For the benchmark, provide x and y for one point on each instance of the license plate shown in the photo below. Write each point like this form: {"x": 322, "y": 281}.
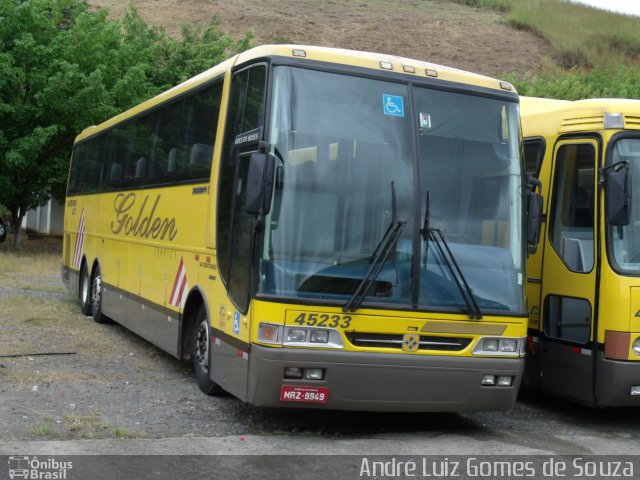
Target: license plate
{"x": 298, "y": 393}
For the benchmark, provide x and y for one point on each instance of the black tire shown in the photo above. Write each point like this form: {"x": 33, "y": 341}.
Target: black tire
{"x": 96, "y": 298}
{"x": 85, "y": 291}
{"x": 201, "y": 355}
{"x": 3, "y": 231}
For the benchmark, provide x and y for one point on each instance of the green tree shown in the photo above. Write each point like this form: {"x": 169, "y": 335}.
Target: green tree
{"x": 63, "y": 68}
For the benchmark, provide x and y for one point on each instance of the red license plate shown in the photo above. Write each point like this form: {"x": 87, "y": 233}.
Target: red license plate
{"x": 297, "y": 393}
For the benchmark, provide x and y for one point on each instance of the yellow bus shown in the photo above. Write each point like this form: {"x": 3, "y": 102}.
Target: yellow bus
{"x": 313, "y": 227}
{"x": 583, "y": 284}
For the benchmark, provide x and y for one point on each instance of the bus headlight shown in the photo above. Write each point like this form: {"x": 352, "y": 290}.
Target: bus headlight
{"x": 636, "y": 347}
{"x": 319, "y": 336}
{"x": 508, "y": 347}
{"x": 296, "y": 335}
{"x": 312, "y": 337}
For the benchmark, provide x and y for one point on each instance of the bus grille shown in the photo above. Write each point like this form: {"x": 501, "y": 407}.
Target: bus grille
{"x": 386, "y": 340}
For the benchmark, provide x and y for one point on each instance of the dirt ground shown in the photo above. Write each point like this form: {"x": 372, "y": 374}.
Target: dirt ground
{"x": 64, "y": 377}
{"x": 437, "y": 31}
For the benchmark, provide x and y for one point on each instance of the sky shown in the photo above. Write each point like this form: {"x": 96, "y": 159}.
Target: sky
{"x": 630, "y": 7}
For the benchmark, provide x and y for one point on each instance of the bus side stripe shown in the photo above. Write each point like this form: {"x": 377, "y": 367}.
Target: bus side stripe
{"x": 77, "y": 257}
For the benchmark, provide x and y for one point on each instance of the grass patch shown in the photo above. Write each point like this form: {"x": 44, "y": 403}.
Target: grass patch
{"x": 86, "y": 426}
{"x": 124, "y": 433}
{"x": 40, "y": 430}
{"x": 576, "y": 84}
{"x": 580, "y": 35}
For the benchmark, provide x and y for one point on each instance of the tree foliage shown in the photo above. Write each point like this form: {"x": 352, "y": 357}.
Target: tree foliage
{"x": 64, "y": 67}
{"x": 577, "y": 83}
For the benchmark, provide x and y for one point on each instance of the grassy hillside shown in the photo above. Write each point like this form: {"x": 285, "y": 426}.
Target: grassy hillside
{"x": 546, "y": 47}
{"x": 438, "y": 31}
{"x": 580, "y": 35}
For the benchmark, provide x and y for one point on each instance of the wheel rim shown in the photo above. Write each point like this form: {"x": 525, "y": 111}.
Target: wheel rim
{"x": 85, "y": 287}
{"x": 96, "y": 293}
{"x": 202, "y": 346}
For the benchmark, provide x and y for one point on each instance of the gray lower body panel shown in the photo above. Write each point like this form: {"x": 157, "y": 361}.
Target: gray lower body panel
{"x": 162, "y": 328}
{"x": 71, "y": 280}
{"x": 615, "y": 379}
{"x": 385, "y": 382}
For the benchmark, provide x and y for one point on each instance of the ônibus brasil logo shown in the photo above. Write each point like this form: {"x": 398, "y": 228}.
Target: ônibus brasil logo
{"x": 33, "y": 468}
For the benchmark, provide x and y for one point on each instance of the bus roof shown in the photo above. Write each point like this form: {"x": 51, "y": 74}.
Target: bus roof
{"x": 544, "y": 116}
{"x": 374, "y": 61}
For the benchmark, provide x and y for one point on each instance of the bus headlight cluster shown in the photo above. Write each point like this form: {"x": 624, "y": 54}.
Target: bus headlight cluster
{"x": 299, "y": 336}
{"x": 312, "y": 337}
{"x": 502, "y": 346}
{"x": 636, "y": 347}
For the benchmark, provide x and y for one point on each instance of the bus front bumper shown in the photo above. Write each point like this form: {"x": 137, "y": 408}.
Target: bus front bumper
{"x": 384, "y": 382}
{"x": 615, "y": 380}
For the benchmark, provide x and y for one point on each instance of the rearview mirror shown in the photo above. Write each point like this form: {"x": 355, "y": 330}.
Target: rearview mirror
{"x": 259, "y": 183}
{"x": 618, "y": 198}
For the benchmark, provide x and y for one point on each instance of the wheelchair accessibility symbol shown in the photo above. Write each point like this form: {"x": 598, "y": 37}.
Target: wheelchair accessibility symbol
{"x": 393, "y": 105}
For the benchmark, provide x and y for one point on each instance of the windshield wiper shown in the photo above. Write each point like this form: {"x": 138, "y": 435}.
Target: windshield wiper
{"x": 437, "y": 237}
{"x": 379, "y": 256}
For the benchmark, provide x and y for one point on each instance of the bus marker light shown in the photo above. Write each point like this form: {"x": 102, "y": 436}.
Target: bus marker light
{"x": 504, "y": 381}
{"x": 292, "y": 372}
{"x": 268, "y": 333}
{"x": 635, "y": 390}
{"x": 314, "y": 373}
{"x": 386, "y": 65}
{"x": 430, "y": 72}
{"x": 506, "y": 86}
{"x": 299, "y": 52}
{"x": 408, "y": 69}
{"x": 613, "y": 120}
{"x": 488, "y": 380}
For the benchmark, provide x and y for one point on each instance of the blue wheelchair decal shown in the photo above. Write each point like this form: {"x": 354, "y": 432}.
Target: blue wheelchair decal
{"x": 393, "y": 105}
{"x": 236, "y": 323}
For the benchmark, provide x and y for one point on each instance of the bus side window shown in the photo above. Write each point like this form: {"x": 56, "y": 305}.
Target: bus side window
{"x": 571, "y": 228}
{"x": 534, "y": 149}
{"x": 567, "y": 318}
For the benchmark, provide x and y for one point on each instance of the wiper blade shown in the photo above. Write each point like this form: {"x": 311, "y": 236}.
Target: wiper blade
{"x": 437, "y": 237}
{"x": 380, "y": 254}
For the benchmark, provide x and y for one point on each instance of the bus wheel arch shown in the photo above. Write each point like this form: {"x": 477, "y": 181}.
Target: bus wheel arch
{"x": 196, "y": 341}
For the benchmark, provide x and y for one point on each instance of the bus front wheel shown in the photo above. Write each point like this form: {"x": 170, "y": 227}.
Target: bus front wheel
{"x": 201, "y": 355}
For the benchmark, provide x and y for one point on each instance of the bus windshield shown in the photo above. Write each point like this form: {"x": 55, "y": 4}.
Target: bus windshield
{"x": 625, "y": 241}
{"x": 356, "y": 155}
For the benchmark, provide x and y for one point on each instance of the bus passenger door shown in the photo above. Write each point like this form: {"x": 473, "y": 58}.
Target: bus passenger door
{"x": 244, "y": 130}
{"x": 569, "y": 272}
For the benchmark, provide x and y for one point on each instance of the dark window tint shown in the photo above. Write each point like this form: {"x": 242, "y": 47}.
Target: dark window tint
{"x": 567, "y": 318}
{"x": 246, "y": 113}
{"x": 533, "y": 155}
{"x": 171, "y": 144}
{"x": 571, "y": 228}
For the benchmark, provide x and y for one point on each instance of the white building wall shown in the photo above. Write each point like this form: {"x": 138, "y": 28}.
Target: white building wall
{"x": 46, "y": 220}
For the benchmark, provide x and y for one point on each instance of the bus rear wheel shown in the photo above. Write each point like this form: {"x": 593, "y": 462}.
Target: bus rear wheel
{"x": 85, "y": 291}
{"x": 201, "y": 355}
{"x": 96, "y": 298}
